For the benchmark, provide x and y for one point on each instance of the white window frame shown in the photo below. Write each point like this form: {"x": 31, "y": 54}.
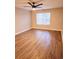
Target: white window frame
{"x": 43, "y": 22}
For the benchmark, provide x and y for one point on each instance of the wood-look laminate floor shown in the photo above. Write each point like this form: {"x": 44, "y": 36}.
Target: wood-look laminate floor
{"x": 39, "y": 44}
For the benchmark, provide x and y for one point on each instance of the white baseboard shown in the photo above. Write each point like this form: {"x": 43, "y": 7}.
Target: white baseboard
{"x": 48, "y": 29}
{"x": 57, "y": 29}
{"x": 22, "y": 31}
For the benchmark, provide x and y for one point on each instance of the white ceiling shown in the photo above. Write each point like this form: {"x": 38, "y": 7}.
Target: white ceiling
{"x": 47, "y": 4}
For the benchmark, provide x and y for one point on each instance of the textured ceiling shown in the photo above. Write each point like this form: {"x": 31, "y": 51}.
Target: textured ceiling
{"x": 47, "y": 4}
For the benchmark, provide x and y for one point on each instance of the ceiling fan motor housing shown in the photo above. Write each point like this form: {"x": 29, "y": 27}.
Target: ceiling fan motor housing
{"x": 34, "y": 6}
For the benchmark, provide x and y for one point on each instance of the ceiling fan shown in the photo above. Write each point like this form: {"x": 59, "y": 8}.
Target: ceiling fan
{"x": 34, "y": 4}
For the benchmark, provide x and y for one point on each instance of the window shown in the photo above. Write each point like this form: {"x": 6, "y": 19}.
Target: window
{"x": 43, "y": 18}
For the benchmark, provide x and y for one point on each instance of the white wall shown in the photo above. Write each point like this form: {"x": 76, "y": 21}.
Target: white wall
{"x": 25, "y": 20}
{"x": 56, "y": 19}
{"x": 22, "y": 20}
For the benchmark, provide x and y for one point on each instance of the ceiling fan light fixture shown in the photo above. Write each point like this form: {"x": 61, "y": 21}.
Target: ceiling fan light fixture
{"x": 33, "y": 9}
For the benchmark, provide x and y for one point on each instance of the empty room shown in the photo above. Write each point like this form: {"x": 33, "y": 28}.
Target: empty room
{"x": 38, "y": 29}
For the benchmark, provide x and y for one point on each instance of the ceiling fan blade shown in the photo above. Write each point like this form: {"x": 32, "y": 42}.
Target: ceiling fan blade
{"x": 39, "y": 5}
{"x": 30, "y": 3}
